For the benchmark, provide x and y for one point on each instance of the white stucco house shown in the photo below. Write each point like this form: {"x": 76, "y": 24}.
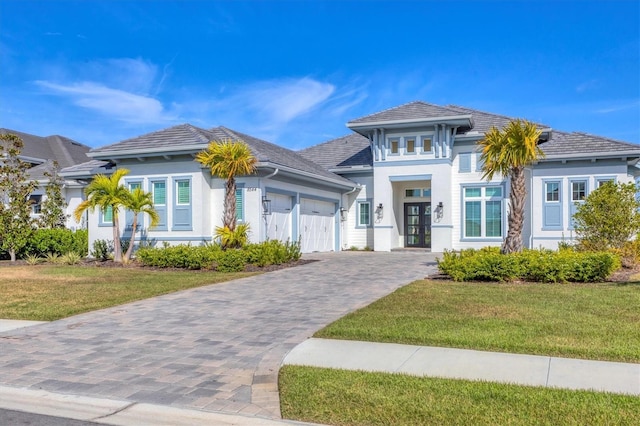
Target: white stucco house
{"x": 406, "y": 177}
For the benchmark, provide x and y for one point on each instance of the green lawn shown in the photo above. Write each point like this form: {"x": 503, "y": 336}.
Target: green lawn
{"x": 339, "y": 397}
{"x": 50, "y": 292}
{"x": 591, "y": 321}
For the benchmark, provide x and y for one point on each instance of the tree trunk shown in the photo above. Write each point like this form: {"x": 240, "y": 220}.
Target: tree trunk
{"x": 513, "y": 242}
{"x": 229, "y": 220}
{"x": 117, "y": 248}
{"x": 12, "y": 255}
{"x": 134, "y": 225}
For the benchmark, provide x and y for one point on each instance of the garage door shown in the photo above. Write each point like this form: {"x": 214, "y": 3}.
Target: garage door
{"x": 279, "y": 221}
{"x": 317, "y": 225}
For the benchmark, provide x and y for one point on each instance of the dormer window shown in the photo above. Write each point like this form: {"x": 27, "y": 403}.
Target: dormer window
{"x": 426, "y": 144}
{"x": 394, "y": 144}
{"x": 411, "y": 145}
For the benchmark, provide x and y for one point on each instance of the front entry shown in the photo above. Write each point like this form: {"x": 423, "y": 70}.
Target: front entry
{"x": 417, "y": 225}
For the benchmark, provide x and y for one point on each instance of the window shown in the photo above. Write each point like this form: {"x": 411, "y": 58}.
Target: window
{"x": 159, "y": 196}
{"x": 602, "y": 181}
{"x": 426, "y": 144}
{"x": 182, "y": 206}
{"x": 578, "y": 191}
{"x": 409, "y": 193}
{"x": 364, "y": 213}
{"x": 552, "y": 191}
{"x": 135, "y": 185}
{"x": 128, "y": 216}
{"x": 239, "y": 205}
{"x": 482, "y": 212}
{"x": 411, "y": 145}
{"x": 551, "y": 205}
{"x": 465, "y": 162}
{"x": 578, "y": 194}
{"x": 479, "y": 162}
{"x": 36, "y": 206}
{"x": 105, "y": 217}
{"x": 393, "y": 143}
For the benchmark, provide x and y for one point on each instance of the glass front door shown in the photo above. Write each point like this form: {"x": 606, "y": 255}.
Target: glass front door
{"x": 417, "y": 225}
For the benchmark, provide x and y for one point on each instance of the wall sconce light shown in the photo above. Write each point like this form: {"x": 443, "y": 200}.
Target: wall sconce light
{"x": 439, "y": 211}
{"x": 378, "y": 212}
{"x": 379, "y": 207}
{"x": 440, "y": 206}
{"x": 266, "y": 206}
{"x": 343, "y": 214}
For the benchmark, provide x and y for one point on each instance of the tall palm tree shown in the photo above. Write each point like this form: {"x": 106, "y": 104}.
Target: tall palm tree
{"x": 508, "y": 152}
{"x": 140, "y": 202}
{"x": 228, "y": 159}
{"x": 106, "y": 192}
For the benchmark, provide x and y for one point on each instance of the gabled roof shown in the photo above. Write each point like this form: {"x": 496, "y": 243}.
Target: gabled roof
{"x": 352, "y": 150}
{"x": 410, "y": 111}
{"x": 186, "y": 138}
{"x": 39, "y": 149}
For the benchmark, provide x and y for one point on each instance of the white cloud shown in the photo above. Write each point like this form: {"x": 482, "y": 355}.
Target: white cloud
{"x": 115, "y": 103}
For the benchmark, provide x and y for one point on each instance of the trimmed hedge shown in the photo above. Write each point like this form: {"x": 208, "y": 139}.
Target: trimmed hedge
{"x": 488, "y": 264}
{"x": 58, "y": 241}
{"x": 211, "y": 256}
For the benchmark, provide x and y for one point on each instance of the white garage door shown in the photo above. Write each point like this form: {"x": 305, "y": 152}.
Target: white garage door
{"x": 279, "y": 221}
{"x": 317, "y": 225}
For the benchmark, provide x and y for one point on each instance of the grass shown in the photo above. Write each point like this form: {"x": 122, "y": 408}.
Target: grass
{"x": 341, "y": 397}
{"x": 590, "y": 321}
{"x": 50, "y": 292}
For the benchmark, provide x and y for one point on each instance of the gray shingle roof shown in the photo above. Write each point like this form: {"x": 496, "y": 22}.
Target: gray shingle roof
{"x": 347, "y": 151}
{"x": 409, "y": 111}
{"x": 196, "y": 139}
{"x": 563, "y": 143}
{"x": 86, "y": 169}
{"x": 65, "y": 151}
{"x": 172, "y": 137}
{"x": 483, "y": 121}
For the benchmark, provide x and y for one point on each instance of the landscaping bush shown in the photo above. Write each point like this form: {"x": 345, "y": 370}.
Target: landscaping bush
{"x": 59, "y": 241}
{"x": 180, "y": 256}
{"x": 231, "y": 260}
{"x": 272, "y": 252}
{"x": 102, "y": 249}
{"x": 532, "y": 265}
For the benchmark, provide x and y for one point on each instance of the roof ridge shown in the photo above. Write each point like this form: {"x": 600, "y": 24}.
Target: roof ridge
{"x": 389, "y": 109}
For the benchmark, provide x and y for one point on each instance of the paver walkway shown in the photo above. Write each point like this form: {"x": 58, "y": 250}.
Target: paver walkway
{"x": 214, "y": 348}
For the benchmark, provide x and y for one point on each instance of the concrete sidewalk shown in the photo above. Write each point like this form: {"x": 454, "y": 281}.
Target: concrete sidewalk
{"x": 529, "y": 370}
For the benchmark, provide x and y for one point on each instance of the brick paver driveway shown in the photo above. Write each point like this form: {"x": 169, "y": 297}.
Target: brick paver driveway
{"x": 215, "y": 348}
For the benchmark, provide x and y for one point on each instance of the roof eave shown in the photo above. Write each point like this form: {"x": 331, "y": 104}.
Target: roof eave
{"x": 305, "y": 175}
{"x": 460, "y": 120}
{"x": 145, "y": 152}
{"x": 623, "y": 155}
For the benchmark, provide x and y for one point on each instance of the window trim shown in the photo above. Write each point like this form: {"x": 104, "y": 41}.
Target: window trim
{"x": 161, "y": 209}
{"x": 555, "y": 204}
{"x": 359, "y": 203}
{"x": 602, "y": 179}
{"x": 422, "y": 139}
{"x": 483, "y": 199}
{"x": 573, "y": 204}
{"x": 176, "y": 207}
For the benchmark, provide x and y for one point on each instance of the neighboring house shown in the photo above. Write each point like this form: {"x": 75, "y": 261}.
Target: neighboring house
{"x": 41, "y": 153}
{"x": 407, "y": 177}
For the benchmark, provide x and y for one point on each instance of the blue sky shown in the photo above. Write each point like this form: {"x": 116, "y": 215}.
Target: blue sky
{"x": 294, "y": 72}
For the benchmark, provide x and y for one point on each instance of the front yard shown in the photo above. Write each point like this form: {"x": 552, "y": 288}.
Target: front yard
{"x": 51, "y": 292}
{"x": 590, "y": 321}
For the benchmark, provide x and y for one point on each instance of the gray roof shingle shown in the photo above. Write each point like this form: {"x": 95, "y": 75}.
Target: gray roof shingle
{"x": 196, "y": 139}
{"x": 65, "y": 151}
{"x": 347, "y": 151}
{"x": 483, "y": 121}
{"x": 408, "y": 111}
{"x": 563, "y": 143}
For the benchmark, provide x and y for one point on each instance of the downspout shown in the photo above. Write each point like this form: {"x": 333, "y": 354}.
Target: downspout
{"x": 342, "y": 223}
{"x": 270, "y": 175}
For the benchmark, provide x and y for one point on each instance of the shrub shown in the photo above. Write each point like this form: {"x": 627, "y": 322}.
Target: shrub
{"x": 532, "y": 265}
{"x": 629, "y": 253}
{"x": 272, "y": 252}
{"x": 52, "y": 258}
{"x": 180, "y": 256}
{"x": 59, "y": 241}
{"x": 32, "y": 259}
{"x": 102, "y": 249}
{"x": 609, "y": 217}
{"x": 232, "y": 260}
{"x": 71, "y": 258}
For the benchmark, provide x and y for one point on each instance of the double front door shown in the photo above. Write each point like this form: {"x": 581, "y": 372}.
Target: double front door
{"x": 417, "y": 225}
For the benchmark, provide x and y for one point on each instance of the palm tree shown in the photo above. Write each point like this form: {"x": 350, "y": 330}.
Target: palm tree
{"x": 106, "y": 192}
{"x": 140, "y": 202}
{"x": 508, "y": 152}
{"x": 228, "y": 159}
